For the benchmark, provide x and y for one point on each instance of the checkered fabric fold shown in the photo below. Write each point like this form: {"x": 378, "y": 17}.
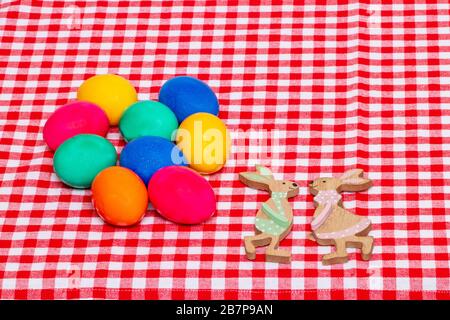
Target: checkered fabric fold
{"x": 309, "y": 89}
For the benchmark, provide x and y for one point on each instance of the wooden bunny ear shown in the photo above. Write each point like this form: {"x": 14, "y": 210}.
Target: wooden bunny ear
{"x": 255, "y": 180}
{"x": 353, "y": 173}
{"x": 352, "y": 180}
{"x": 264, "y": 171}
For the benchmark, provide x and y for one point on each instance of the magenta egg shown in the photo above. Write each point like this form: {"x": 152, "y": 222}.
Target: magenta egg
{"x": 181, "y": 195}
{"x": 74, "y": 118}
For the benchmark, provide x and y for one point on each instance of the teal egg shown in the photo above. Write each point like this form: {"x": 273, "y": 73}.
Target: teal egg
{"x": 148, "y": 118}
{"x": 79, "y": 159}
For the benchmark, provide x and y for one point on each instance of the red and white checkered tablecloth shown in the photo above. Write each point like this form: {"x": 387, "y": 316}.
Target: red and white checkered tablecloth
{"x": 335, "y": 86}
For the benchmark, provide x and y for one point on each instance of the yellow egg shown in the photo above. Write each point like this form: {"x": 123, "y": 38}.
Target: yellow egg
{"x": 205, "y": 142}
{"x": 113, "y": 93}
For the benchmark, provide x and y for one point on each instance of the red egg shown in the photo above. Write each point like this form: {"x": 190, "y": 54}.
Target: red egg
{"x": 72, "y": 119}
{"x": 181, "y": 195}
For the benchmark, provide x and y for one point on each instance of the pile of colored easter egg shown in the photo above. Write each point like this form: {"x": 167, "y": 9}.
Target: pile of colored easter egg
{"x": 170, "y": 143}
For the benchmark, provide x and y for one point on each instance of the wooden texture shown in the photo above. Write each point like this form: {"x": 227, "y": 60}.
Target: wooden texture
{"x": 332, "y": 224}
{"x": 268, "y": 230}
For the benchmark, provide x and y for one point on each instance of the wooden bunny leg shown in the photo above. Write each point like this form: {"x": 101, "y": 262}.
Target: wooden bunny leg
{"x": 339, "y": 256}
{"x": 252, "y": 242}
{"x": 273, "y": 254}
{"x": 364, "y": 243}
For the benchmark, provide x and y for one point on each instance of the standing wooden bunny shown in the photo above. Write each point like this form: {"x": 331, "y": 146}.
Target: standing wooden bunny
{"x": 332, "y": 224}
{"x": 274, "y": 219}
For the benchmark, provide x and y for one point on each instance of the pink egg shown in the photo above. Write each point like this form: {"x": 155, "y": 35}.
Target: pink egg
{"x": 181, "y": 195}
{"x": 72, "y": 119}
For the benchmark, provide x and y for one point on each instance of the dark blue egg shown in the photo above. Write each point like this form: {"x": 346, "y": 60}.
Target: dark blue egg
{"x": 186, "y": 95}
{"x": 146, "y": 155}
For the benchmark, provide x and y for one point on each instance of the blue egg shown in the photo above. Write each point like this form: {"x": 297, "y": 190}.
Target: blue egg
{"x": 186, "y": 95}
{"x": 146, "y": 155}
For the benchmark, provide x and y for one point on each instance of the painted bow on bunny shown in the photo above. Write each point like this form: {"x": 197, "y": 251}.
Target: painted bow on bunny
{"x": 332, "y": 224}
{"x": 274, "y": 219}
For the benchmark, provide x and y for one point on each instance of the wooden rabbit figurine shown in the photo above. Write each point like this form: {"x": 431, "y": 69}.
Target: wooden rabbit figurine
{"x": 332, "y": 224}
{"x": 274, "y": 219}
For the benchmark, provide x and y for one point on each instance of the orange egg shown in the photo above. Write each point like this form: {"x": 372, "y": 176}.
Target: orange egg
{"x": 119, "y": 196}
